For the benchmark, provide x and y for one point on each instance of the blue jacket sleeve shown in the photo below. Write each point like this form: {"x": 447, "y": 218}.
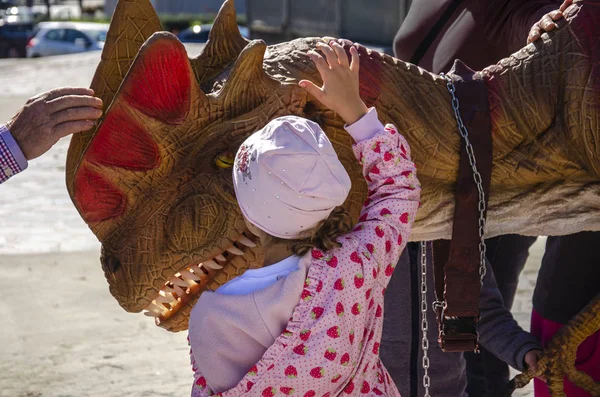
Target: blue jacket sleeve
{"x": 498, "y": 330}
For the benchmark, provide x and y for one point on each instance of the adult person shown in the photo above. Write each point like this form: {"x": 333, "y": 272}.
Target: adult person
{"x": 433, "y": 35}
{"x": 567, "y": 281}
{"x": 43, "y": 120}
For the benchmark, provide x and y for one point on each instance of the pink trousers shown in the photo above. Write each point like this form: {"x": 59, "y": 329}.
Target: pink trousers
{"x": 588, "y": 356}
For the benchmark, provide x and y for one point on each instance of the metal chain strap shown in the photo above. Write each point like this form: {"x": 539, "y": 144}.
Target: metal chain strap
{"x": 476, "y": 175}
{"x": 424, "y": 324}
{"x": 482, "y": 248}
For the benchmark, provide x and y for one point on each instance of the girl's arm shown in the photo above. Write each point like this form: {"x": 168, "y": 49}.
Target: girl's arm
{"x": 394, "y": 191}
{"x": 393, "y": 199}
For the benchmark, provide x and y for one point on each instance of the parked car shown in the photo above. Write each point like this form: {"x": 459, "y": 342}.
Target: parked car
{"x": 5, "y": 4}
{"x": 14, "y": 38}
{"x": 199, "y": 33}
{"x": 55, "y": 38}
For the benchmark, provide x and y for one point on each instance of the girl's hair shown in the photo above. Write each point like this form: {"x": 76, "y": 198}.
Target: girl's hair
{"x": 323, "y": 236}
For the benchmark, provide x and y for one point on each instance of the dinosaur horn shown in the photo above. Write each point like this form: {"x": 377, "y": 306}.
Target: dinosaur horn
{"x": 248, "y": 85}
{"x": 133, "y": 22}
{"x": 224, "y": 45}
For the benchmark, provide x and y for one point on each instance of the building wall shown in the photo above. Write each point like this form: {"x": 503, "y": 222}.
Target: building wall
{"x": 367, "y": 21}
{"x": 193, "y": 6}
{"x": 109, "y": 7}
{"x": 183, "y": 6}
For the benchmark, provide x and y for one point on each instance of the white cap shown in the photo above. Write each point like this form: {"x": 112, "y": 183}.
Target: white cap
{"x": 288, "y": 178}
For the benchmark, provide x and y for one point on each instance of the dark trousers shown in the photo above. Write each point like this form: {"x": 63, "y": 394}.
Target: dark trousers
{"x": 400, "y": 349}
{"x": 487, "y": 375}
{"x": 401, "y": 340}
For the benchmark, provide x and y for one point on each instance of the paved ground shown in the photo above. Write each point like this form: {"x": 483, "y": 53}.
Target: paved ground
{"x": 62, "y": 334}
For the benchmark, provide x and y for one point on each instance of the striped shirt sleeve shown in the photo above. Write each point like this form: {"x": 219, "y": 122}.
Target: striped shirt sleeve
{"x": 12, "y": 160}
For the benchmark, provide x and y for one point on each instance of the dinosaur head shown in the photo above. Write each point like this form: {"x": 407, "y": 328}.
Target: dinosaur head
{"x": 154, "y": 180}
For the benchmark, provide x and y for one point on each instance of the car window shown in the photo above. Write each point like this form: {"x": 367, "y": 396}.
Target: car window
{"x": 55, "y": 34}
{"x": 189, "y": 35}
{"x": 98, "y": 35}
{"x": 203, "y": 35}
{"x": 18, "y": 28}
{"x": 73, "y": 35}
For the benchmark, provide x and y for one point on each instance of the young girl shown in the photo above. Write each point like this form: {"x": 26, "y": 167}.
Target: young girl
{"x": 310, "y": 321}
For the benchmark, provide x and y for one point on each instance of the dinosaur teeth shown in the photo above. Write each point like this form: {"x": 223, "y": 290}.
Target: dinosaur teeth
{"x": 184, "y": 284}
{"x": 198, "y": 270}
{"x": 167, "y": 295}
{"x": 188, "y": 275}
{"x": 162, "y": 299}
{"x": 246, "y": 241}
{"x": 153, "y": 308}
{"x": 212, "y": 265}
{"x": 175, "y": 289}
{"x": 151, "y": 314}
{"x": 235, "y": 250}
{"x": 179, "y": 282}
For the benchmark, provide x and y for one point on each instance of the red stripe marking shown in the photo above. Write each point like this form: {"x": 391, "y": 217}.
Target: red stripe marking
{"x": 97, "y": 199}
{"x": 122, "y": 142}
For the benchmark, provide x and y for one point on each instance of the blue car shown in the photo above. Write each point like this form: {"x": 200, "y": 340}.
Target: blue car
{"x": 14, "y": 38}
{"x": 56, "y": 38}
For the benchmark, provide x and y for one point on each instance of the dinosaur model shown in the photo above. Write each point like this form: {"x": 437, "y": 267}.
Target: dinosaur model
{"x": 153, "y": 180}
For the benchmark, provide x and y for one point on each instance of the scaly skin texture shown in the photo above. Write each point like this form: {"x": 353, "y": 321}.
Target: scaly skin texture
{"x": 558, "y": 360}
{"x": 147, "y": 180}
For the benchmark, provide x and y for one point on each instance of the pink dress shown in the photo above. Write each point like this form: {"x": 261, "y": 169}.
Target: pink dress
{"x": 330, "y": 346}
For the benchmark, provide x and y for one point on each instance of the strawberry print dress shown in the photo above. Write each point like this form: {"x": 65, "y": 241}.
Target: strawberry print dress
{"x": 330, "y": 346}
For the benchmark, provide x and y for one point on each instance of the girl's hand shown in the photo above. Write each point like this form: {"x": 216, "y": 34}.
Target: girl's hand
{"x": 531, "y": 361}
{"x": 340, "y": 91}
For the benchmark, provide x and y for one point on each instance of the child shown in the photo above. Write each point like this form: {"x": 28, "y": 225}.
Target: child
{"x": 310, "y": 321}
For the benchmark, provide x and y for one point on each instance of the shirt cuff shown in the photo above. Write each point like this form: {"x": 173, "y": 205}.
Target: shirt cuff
{"x": 366, "y": 127}
{"x": 13, "y": 147}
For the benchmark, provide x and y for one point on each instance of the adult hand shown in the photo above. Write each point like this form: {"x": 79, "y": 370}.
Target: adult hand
{"x": 52, "y": 115}
{"x": 547, "y": 23}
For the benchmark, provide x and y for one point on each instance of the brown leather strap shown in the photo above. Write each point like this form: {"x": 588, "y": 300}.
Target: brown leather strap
{"x": 460, "y": 257}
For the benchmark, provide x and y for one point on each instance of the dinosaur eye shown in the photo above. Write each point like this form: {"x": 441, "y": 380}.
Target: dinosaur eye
{"x": 225, "y": 160}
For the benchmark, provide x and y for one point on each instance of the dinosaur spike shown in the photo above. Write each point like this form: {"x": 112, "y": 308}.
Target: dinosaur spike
{"x": 133, "y": 22}
{"x": 248, "y": 84}
{"x": 225, "y": 39}
{"x": 160, "y": 81}
{"x": 224, "y": 45}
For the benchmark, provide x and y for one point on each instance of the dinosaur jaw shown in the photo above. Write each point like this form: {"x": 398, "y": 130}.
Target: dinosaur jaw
{"x": 180, "y": 292}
